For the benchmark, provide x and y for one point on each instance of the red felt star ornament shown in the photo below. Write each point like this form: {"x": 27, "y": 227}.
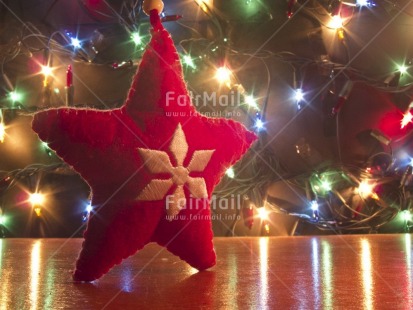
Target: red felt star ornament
{"x": 152, "y": 164}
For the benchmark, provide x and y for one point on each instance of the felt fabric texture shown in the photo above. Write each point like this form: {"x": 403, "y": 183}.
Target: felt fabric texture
{"x": 120, "y": 152}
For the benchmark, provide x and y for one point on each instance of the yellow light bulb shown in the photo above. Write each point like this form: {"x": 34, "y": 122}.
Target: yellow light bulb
{"x": 38, "y": 211}
{"x": 340, "y": 33}
{"x": 366, "y": 188}
{"x": 36, "y": 199}
{"x": 336, "y": 22}
{"x": 223, "y": 75}
{"x": 46, "y": 71}
{"x": 267, "y": 228}
{"x": 204, "y": 4}
{"x": 263, "y": 213}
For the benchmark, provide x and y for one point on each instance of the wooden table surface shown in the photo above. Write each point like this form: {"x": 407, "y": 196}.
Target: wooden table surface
{"x": 324, "y": 272}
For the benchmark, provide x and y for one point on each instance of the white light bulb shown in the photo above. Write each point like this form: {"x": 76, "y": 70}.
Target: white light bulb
{"x": 230, "y": 173}
{"x": 75, "y": 42}
{"x": 259, "y": 124}
{"x": 314, "y": 205}
{"x": 299, "y": 95}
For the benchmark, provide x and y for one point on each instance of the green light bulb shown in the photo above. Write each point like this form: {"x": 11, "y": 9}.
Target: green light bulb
{"x": 406, "y": 215}
{"x": 15, "y": 96}
{"x": 188, "y": 61}
{"x": 402, "y": 69}
{"x": 326, "y": 185}
{"x": 136, "y": 38}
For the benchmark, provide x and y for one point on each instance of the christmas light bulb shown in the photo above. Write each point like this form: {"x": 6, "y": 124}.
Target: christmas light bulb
{"x": 36, "y": 199}
{"x": 341, "y": 33}
{"x": 250, "y": 101}
{"x": 187, "y": 60}
{"x": 407, "y": 118}
{"x": 262, "y": 213}
{"x": 314, "y": 205}
{"x": 267, "y": 228}
{"x": 15, "y": 96}
{"x": 402, "y": 69}
{"x": 230, "y": 173}
{"x": 223, "y": 75}
{"x": 2, "y": 220}
{"x": 204, "y": 4}
{"x": 366, "y": 3}
{"x": 299, "y": 95}
{"x": 336, "y": 22}
{"x": 69, "y": 76}
{"x": 46, "y": 70}
{"x": 259, "y": 124}
{"x": 407, "y": 215}
{"x": 75, "y": 42}
{"x": 89, "y": 208}
{"x": 136, "y": 38}
{"x": 342, "y": 97}
{"x": 38, "y": 211}
{"x": 47, "y": 149}
{"x": 365, "y": 188}
{"x": 362, "y": 2}
{"x": 326, "y": 185}
{"x": 290, "y": 8}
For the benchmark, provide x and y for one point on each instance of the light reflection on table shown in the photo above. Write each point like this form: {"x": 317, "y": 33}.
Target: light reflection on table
{"x": 408, "y": 271}
{"x": 348, "y": 272}
{"x": 315, "y": 267}
{"x": 263, "y": 273}
{"x": 35, "y": 265}
{"x": 327, "y": 275}
{"x": 233, "y": 279}
{"x": 367, "y": 274}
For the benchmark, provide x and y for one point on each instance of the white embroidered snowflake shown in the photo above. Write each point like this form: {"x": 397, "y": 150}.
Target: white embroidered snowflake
{"x": 159, "y": 162}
